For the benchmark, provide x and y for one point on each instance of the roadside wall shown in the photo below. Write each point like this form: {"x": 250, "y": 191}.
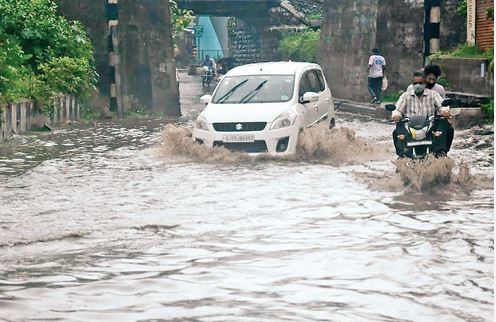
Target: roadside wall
{"x": 24, "y": 116}
{"x": 350, "y": 30}
{"x": 467, "y": 75}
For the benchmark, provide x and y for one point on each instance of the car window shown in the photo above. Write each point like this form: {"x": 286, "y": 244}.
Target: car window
{"x": 315, "y": 84}
{"x": 305, "y": 84}
{"x": 321, "y": 79}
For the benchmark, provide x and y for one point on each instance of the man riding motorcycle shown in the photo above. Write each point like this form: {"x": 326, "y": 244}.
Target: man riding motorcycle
{"x": 210, "y": 63}
{"x": 421, "y": 103}
{"x": 209, "y": 72}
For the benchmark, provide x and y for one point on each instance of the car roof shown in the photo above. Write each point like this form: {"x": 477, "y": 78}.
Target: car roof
{"x": 271, "y": 68}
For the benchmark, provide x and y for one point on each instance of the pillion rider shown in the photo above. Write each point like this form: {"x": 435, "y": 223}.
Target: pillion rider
{"x": 421, "y": 101}
{"x": 431, "y": 74}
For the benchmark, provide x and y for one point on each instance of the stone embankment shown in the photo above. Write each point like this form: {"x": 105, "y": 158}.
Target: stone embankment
{"x": 462, "y": 118}
{"x": 24, "y": 116}
{"x": 253, "y": 40}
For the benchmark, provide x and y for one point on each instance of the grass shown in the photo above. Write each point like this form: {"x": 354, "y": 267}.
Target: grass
{"x": 89, "y": 114}
{"x": 488, "y": 110}
{"x": 444, "y": 82}
{"x": 391, "y": 96}
{"x": 314, "y": 16}
{"x": 466, "y": 51}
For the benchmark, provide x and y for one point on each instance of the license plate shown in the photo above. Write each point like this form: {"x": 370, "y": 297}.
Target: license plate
{"x": 235, "y": 138}
{"x": 417, "y": 143}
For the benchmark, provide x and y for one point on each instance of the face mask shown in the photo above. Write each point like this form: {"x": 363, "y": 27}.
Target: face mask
{"x": 430, "y": 85}
{"x": 418, "y": 88}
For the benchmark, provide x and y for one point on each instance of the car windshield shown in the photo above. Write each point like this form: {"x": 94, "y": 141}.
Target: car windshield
{"x": 254, "y": 89}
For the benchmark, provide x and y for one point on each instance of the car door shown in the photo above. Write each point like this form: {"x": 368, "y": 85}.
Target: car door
{"x": 310, "y": 110}
{"x": 325, "y": 100}
{"x": 322, "y": 105}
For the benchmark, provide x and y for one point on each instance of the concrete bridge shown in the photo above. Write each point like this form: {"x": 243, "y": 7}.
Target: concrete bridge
{"x": 135, "y": 59}
{"x": 228, "y": 8}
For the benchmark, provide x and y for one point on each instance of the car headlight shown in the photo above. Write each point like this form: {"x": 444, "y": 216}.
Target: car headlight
{"x": 286, "y": 119}
{"x": 201, "y": 123}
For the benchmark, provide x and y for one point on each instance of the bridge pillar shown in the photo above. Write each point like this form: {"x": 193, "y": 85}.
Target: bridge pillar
{"x": 146, "y": 67}
{"x": 352, "y": 28}
{"x": 251, "y": 41}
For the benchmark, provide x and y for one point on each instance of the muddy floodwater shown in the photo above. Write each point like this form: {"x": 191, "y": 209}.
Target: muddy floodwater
{"x": 122, "y": 222}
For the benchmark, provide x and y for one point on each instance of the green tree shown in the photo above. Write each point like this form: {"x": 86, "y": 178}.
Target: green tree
{"x": 41, "y": 47}
{"x": 300, "y": 46}
{"x": 462, "y": 8}
{"x": 180, "y": 18}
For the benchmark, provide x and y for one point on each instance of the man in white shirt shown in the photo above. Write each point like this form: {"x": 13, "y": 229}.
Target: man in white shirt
{"x": 377, "y": 65}
{"x": 432, "y": 73}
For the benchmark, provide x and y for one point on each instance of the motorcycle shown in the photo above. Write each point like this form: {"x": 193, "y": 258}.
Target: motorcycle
{"x": 418, "y": 136}
{"x": 207, "y": 76}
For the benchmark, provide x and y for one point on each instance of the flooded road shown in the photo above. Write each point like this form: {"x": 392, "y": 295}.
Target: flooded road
{"x": 109, "y": 223}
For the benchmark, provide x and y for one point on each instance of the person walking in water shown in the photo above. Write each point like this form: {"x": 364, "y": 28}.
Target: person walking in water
{"x": 377, "y": 65}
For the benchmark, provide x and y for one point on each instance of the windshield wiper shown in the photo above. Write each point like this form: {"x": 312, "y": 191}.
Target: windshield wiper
{"x": 230, "y": 92}
{"x": 252, "y": 94}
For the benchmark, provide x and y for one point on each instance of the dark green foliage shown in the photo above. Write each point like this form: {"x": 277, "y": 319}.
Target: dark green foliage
{"x": 462, "y": 8}
{"x": 444, "y": 82}
{"x": 180, "y": 19}
{"x": 391, "y": 96}
{"x": 300, "y": 46}
{"x": 488, "y": 110}
{"x": 466, "y": 51}
{"x": 42, "y": 53}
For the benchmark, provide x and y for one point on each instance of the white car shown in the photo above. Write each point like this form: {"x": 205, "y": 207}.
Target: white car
{"x": 261, "y": 108}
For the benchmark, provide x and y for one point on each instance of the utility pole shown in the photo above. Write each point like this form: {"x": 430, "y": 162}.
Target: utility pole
{"x": 432, "y": 24}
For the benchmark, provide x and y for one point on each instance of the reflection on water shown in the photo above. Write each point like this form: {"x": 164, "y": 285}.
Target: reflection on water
{"x": 101, "y": 224}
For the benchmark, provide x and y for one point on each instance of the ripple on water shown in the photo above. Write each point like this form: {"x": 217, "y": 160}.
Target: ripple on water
{"x": 131, "y": 233}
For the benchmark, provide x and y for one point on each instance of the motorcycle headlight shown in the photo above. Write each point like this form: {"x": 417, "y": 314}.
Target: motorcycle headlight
{"x": 201, "y": 123}
{"x": 286, "y": 119}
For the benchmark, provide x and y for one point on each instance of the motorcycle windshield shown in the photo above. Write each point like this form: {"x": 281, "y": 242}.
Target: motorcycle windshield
{"x": 419, "y": 121}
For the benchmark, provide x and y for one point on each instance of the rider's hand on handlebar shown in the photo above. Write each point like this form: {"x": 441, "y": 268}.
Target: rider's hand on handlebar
{"x": 396, "y": 115}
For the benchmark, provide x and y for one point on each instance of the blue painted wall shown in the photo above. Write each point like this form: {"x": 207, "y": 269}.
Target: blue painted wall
{"x": 209, "y": 43}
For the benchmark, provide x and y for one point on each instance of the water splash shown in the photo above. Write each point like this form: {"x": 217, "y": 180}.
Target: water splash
{"x": 337, "y": 146}
{"x": 315, "y": 145}
{"x": 427, "y": 174}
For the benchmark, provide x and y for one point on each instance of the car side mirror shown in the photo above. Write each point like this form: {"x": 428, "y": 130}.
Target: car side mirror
{"x": 206, "y": 98}
{"x": 447, "y": 102}
{"x": 390, "y": 107}
{"x": 309, "y": 97}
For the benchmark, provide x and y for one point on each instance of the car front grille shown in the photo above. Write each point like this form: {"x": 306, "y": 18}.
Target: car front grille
{"x": 240, "y": 126}
{"x": 251, "y": 147}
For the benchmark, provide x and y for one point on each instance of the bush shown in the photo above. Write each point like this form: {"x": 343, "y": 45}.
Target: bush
{"x": 42, "y": 53}
{"x": 14, "y": 75}
{"x": 488, "y": 110}
{"x": 300, "y": 46}
{"x": 466, "y": 51}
